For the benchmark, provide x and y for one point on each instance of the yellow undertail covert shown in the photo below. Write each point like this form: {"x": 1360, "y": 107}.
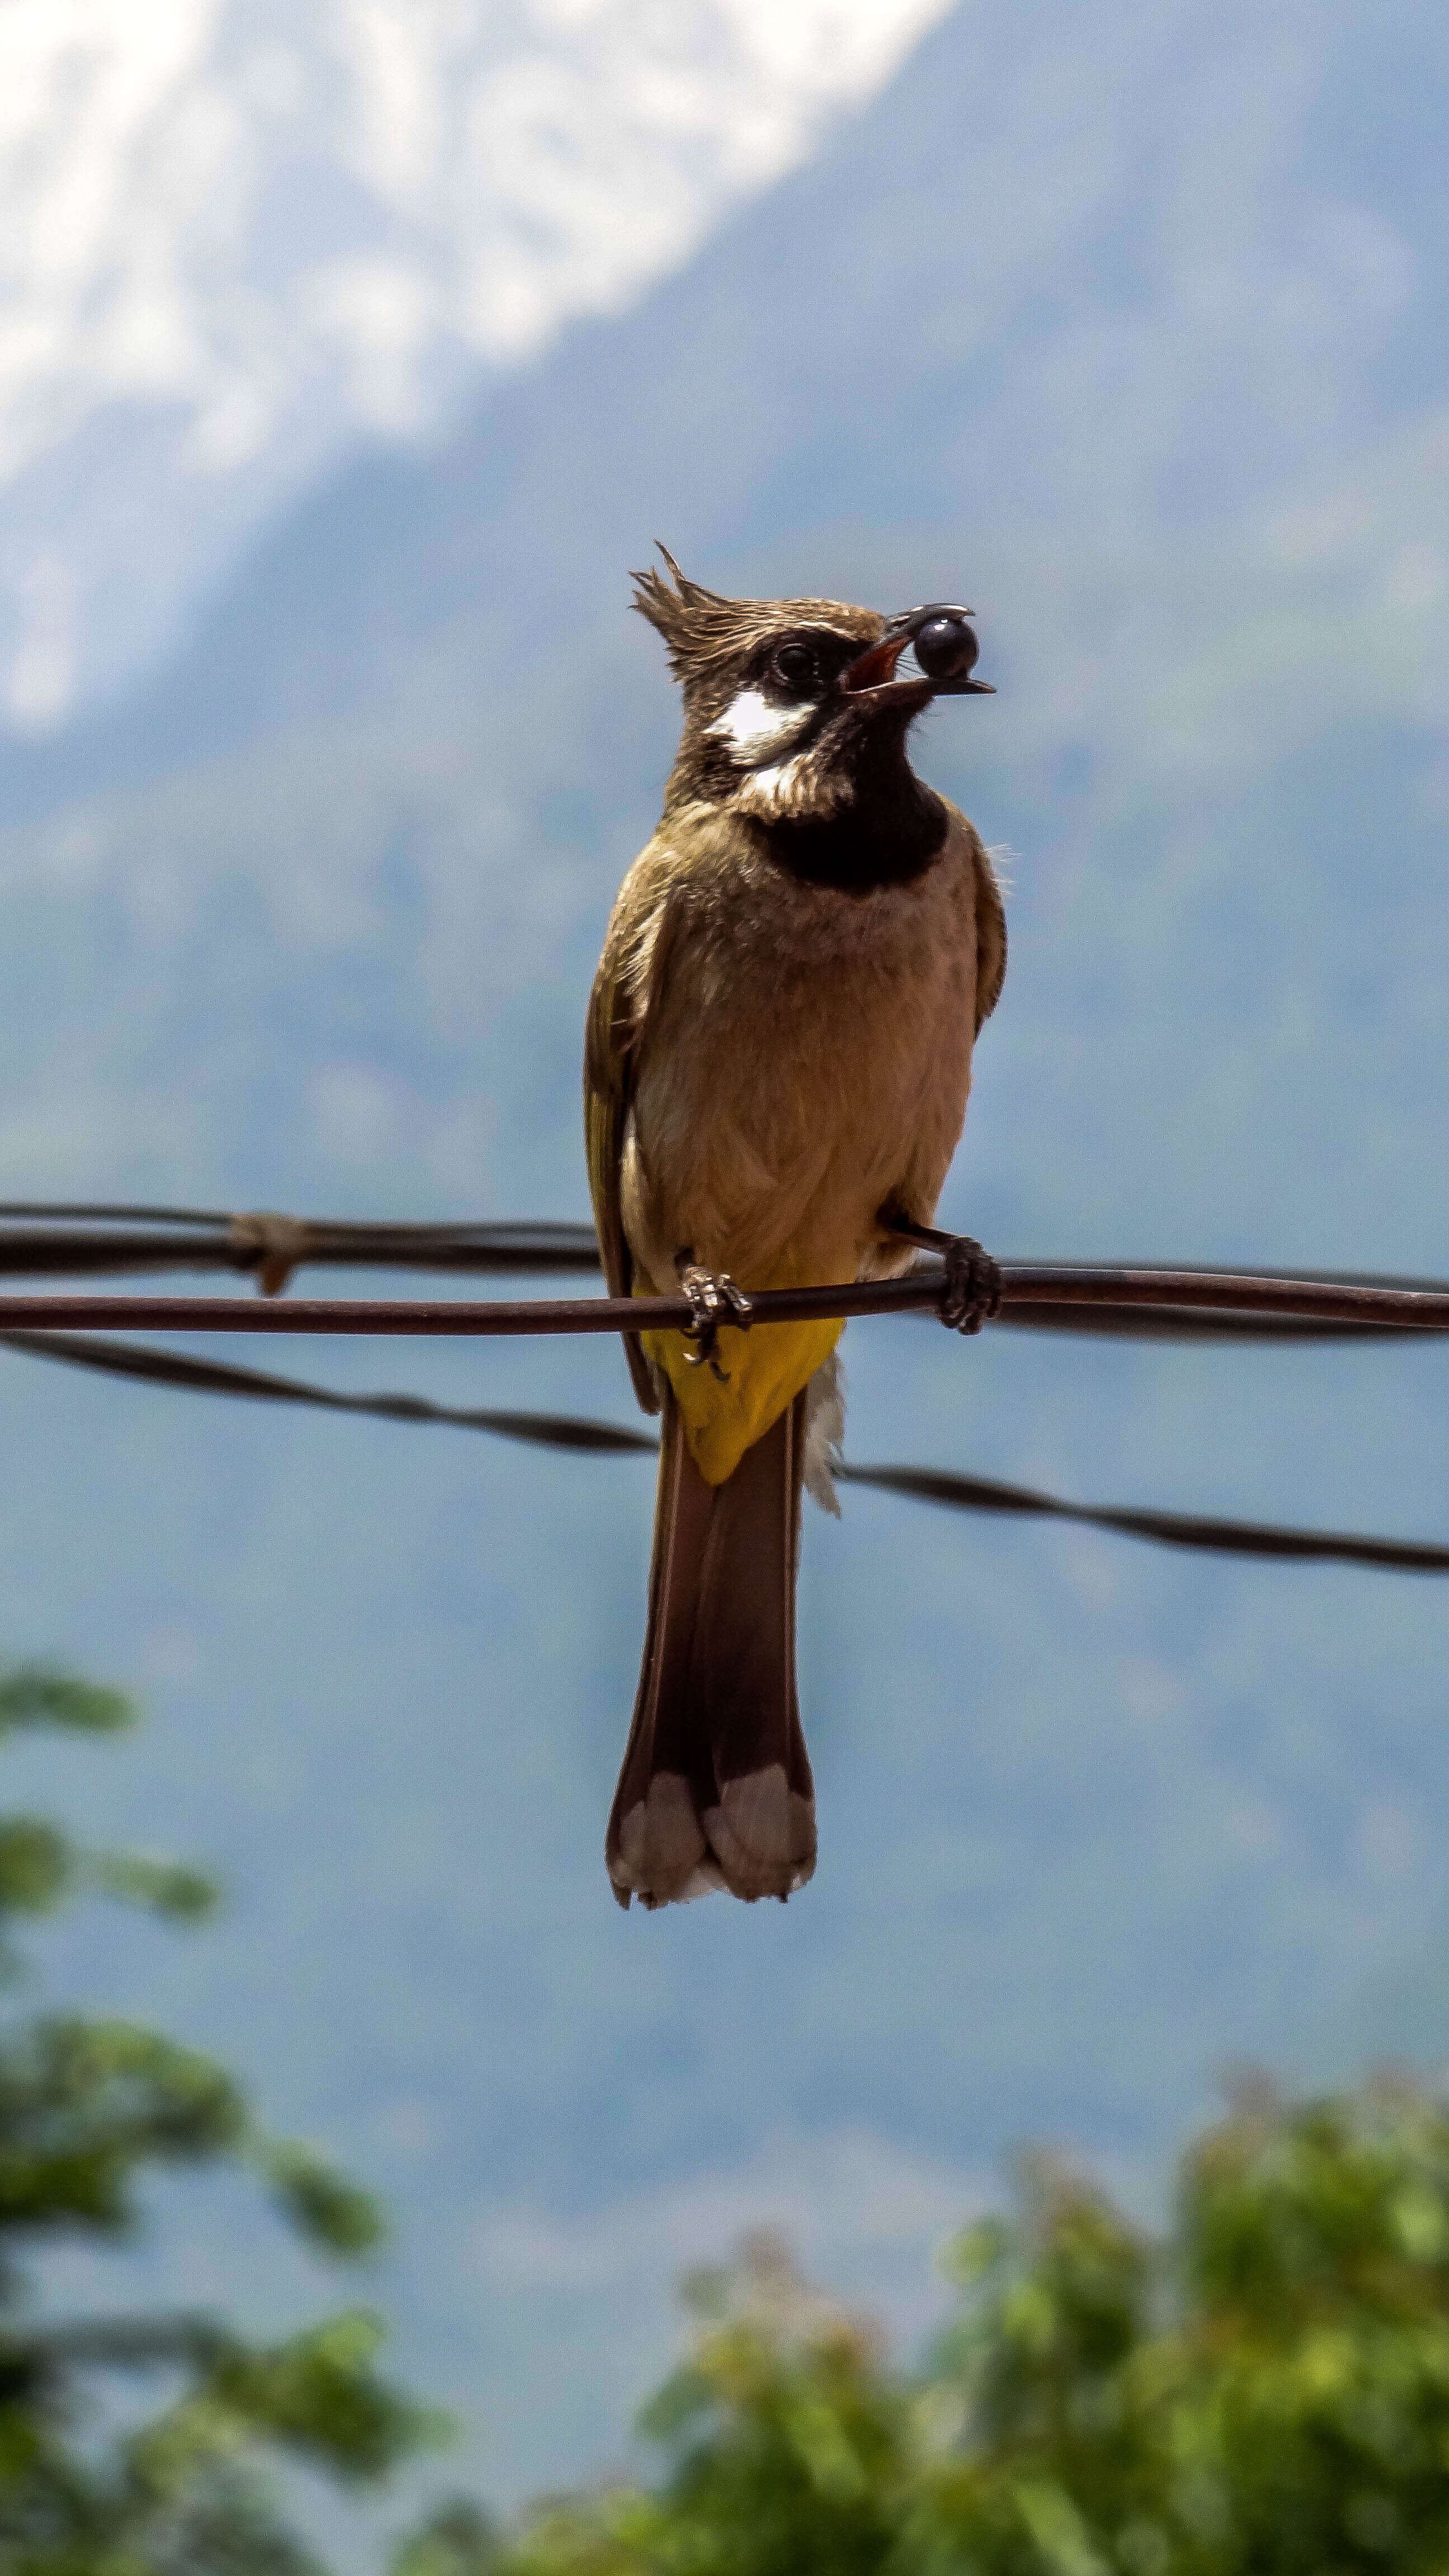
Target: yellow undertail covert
{"x": 765, "y": 1369}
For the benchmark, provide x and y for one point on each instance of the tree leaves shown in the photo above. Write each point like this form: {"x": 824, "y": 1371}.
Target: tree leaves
{"x": 321, "y": 2203}
{"x": 40, "y": 1695}
{"x": 1262, "y": 2392}
{"x": 90, "y": 2113}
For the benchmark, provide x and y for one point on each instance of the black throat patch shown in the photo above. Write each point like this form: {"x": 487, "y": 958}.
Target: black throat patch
{"x": 888, "y": 835}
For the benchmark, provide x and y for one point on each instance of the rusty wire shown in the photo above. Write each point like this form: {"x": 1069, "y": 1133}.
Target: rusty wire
{"x": 1056, "y": 1286}
{"x": 1136, "y": 1300}
{"x": 42, "y": 1239}
{"x": 945, "y": 1487}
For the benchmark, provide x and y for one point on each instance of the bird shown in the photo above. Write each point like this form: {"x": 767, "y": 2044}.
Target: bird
{"x": 776, "y": 1067}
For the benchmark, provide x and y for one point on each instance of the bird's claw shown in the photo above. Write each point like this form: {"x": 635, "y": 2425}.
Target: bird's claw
{"x": 714, "y": 1300}
{"x": 971, "y": 1288}
{"x": 971, "y": 1293}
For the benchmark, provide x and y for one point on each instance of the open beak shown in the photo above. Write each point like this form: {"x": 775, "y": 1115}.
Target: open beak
{"x": 874, "y": 674}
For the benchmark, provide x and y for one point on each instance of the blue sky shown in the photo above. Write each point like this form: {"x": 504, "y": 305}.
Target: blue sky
{"x": 1131, "y": 323}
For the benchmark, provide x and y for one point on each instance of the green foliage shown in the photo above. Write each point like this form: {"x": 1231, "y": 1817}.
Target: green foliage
{"x": 786, "y": 2442}
{"x": 89, "y": 2112}
{"x": 183, "y": 1893}
{"x": 39, "y": 1695}
{"x": 85, "y": 2105}
{"x": 40, "y": 1868}
{"x": 458, "y": 2541}
{"x": 1315, "y": 2247}
{"x": 321, "y": 2204}
{"x": 1263, "y": 2392}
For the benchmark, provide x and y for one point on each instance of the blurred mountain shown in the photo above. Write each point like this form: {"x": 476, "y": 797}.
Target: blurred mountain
{"x": 241, "y": 239}
{"x": 1165, "y": 407}
{"x": 1128, "y": 324}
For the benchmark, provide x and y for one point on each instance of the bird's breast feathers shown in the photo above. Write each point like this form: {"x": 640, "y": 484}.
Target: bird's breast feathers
{"x": 802, "y": 1055}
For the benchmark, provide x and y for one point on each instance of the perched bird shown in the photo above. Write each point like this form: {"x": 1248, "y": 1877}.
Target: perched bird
{"x": 777, "y": 1061}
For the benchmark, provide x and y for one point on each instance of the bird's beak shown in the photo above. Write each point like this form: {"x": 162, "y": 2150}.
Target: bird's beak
{"x": 874, "y": 674}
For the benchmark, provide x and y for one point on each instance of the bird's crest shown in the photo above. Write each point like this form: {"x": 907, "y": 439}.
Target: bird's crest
{"x": 702, "y": 629}
{"x": 697, "y": 625}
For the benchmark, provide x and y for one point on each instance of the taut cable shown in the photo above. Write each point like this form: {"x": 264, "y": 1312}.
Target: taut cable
{"x": 943, "y": 1486}
{"x": 1054, "y": 1285}
{"x": 47, "y": 1239}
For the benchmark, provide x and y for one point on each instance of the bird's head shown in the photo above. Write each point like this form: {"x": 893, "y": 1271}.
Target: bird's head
{"x": 796, "y": 710}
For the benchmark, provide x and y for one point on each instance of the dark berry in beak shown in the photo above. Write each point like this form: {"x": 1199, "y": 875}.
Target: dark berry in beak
{"x": 946, "y": 648}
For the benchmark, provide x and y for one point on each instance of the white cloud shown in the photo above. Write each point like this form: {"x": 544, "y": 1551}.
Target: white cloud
{"x": 366, "y": 1120}
{"x": 253, "y": 230}
{"x": 865, "y": 2218}
{"x": 63, "y": 1139}
{"x": 585, "y": 2306}
{"x": 362, "y": 1115}
{"x": 44, "y": 661}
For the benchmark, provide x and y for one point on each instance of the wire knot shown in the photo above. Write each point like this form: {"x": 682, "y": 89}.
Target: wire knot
{"x": 279, "y": 1242}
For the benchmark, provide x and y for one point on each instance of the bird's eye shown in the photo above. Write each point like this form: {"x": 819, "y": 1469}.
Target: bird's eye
{"x": 946, "y": 648}
{"x": 796, "y": 665}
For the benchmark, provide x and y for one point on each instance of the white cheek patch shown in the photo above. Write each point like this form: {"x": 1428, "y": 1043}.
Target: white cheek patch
{"x": 752, "y": 726}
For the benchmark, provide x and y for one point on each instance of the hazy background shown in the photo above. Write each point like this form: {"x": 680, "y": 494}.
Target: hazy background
{"x": 353, "y": 353}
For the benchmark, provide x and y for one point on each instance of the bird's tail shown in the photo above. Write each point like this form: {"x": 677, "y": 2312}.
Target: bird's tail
{"x": 716, "y": 1788}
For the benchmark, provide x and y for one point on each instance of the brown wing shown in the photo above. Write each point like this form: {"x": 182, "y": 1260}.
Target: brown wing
{"x": 618, "y": 1006}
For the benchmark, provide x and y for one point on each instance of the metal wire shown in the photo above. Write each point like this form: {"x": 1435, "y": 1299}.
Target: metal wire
{"x": 575, "y": 1433}
{"x": 219, "y": 1377}
{"x": 79, "y": 1239}
{"x": 40, "y": 1239}
{"x": 1052, "y": 1285}
{"x": 1135, "y": 1300}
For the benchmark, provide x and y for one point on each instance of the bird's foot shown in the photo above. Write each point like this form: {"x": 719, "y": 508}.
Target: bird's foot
{"x": 972, "y": 1293}
{"x": 971, "y": 1289}
{"x": 714, "y": 1300}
